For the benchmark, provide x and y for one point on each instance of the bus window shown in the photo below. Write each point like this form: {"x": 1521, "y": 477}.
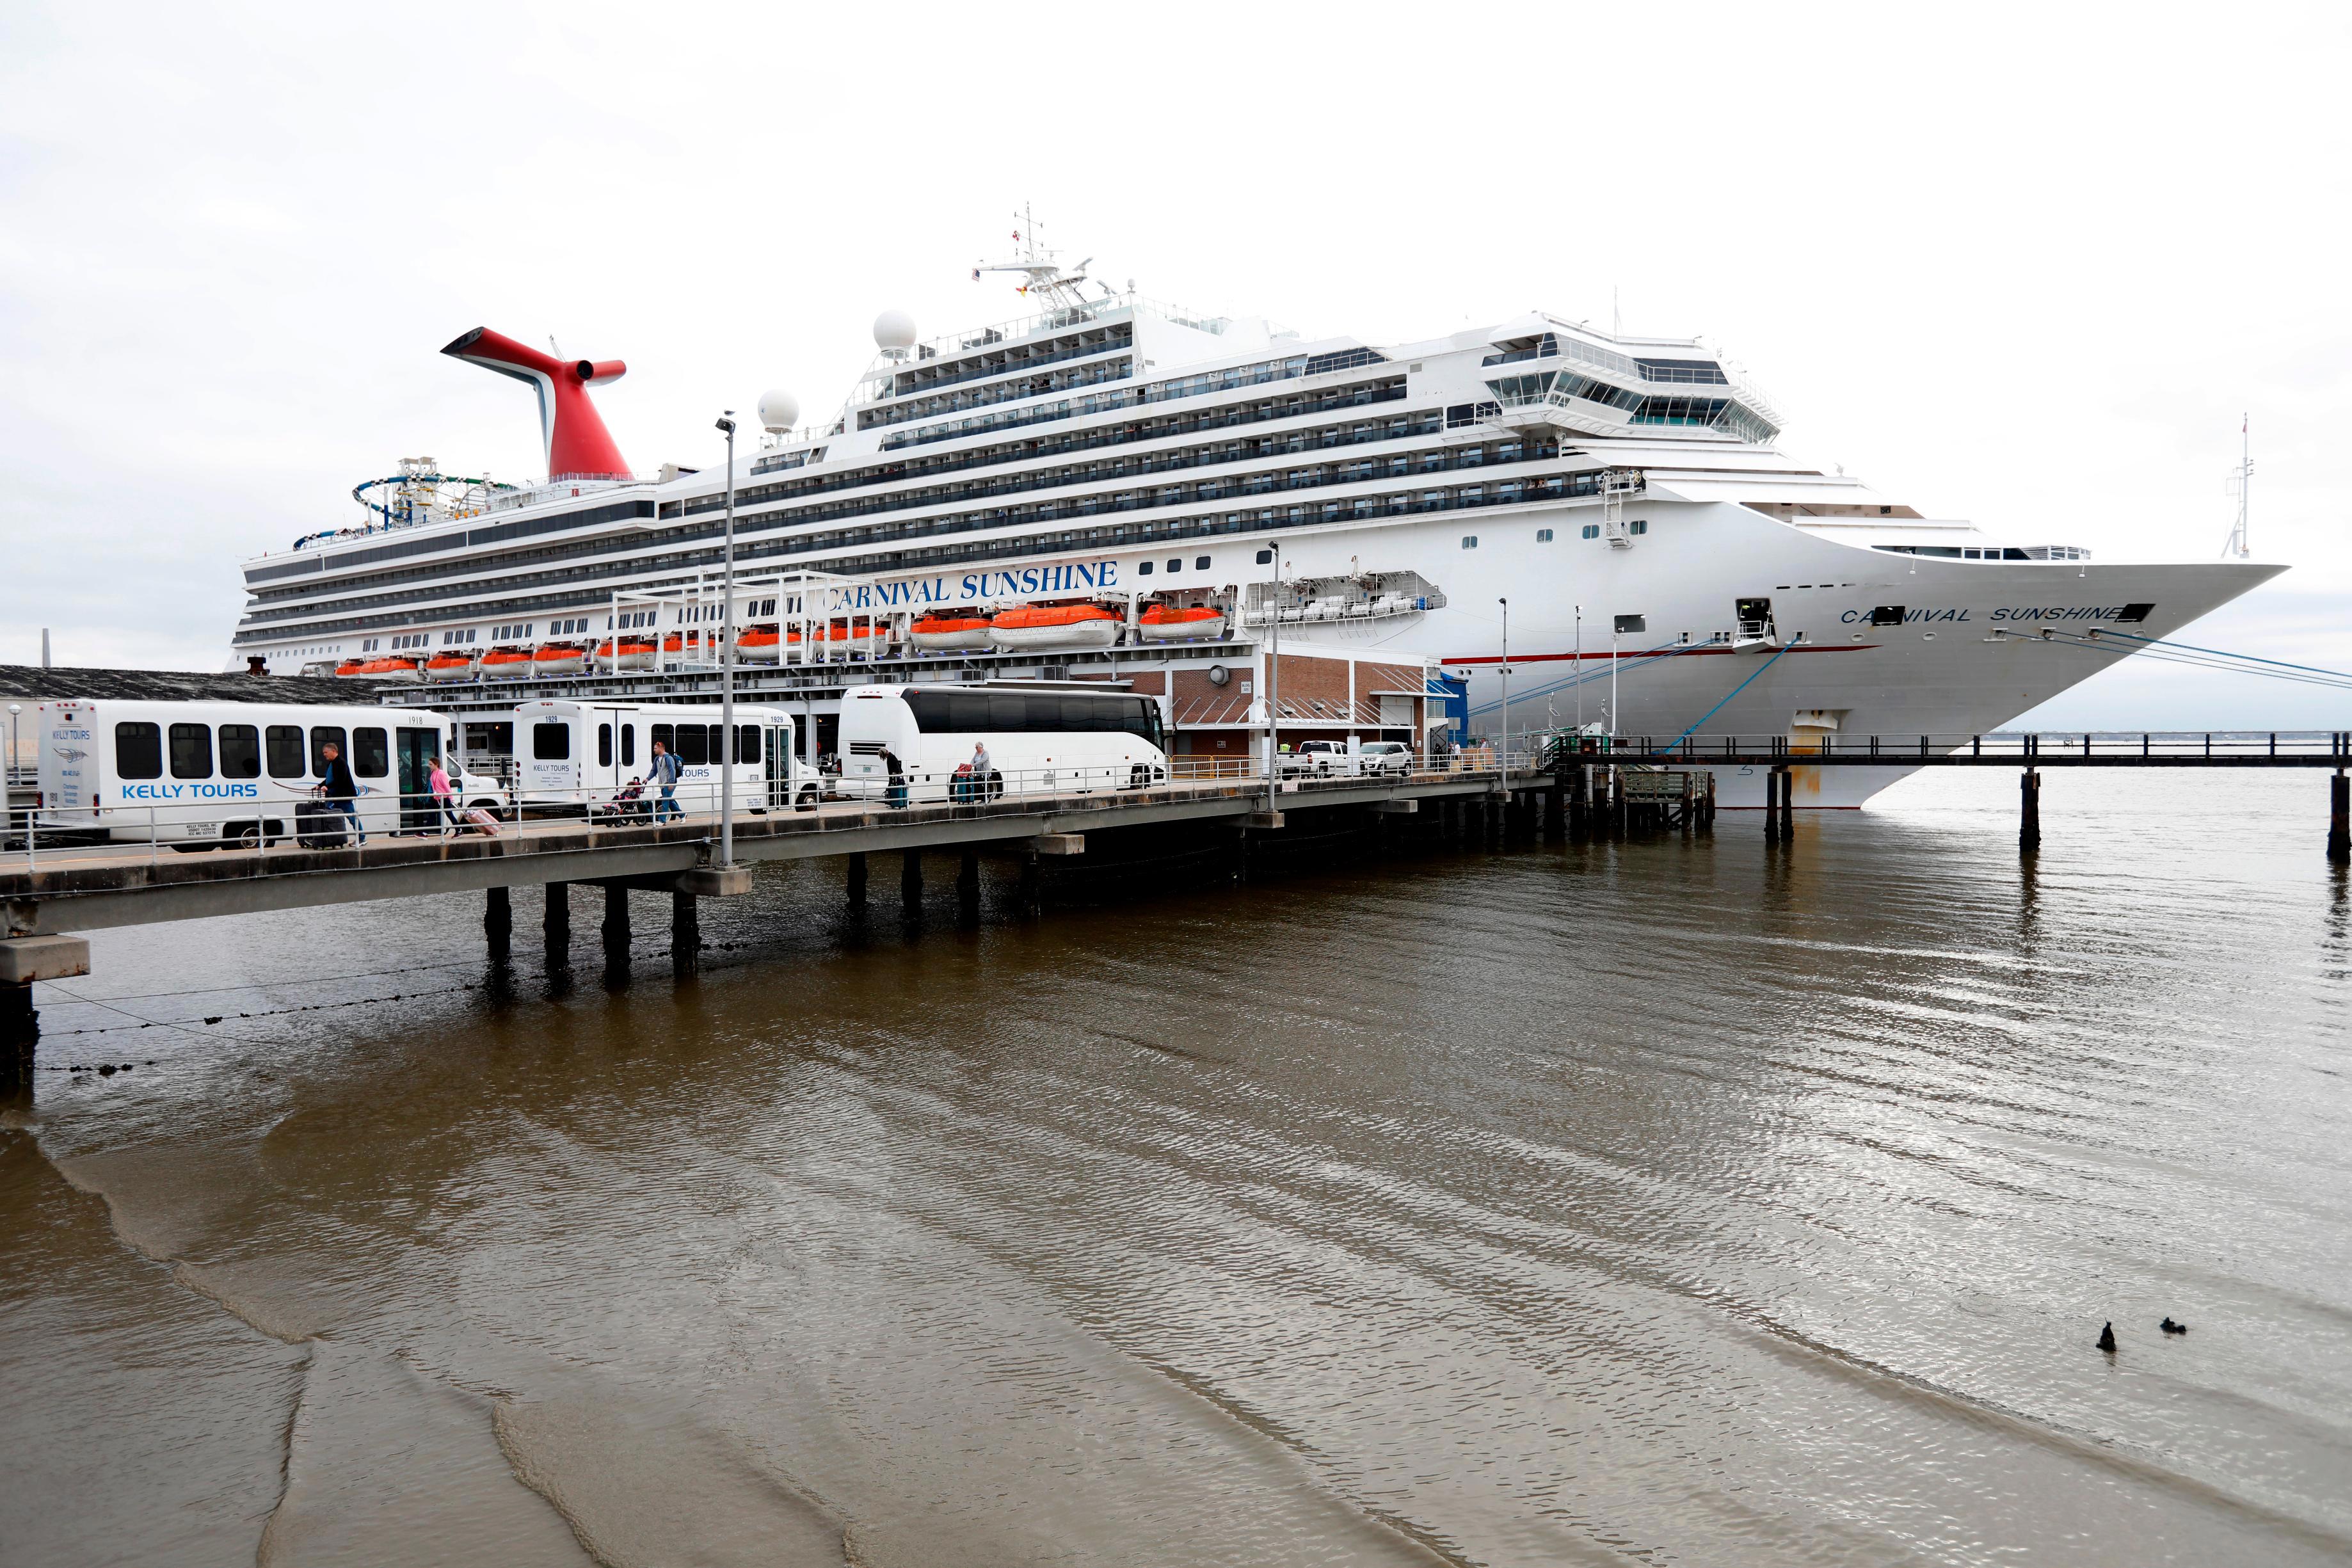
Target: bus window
{"x": 371, "y": 753}
{"x": 322, "y": 737}
{"x": 967, "y": 711}
{"x": 139, "y": 750}
{"x": 628, "y": 745}
{"x": 747, "y": 743}
{"x": 240, "y": 752}
{"x": 604, "y": 745}
{"x": 1008, "y": 712}
{"x": 285, "y": 750}
{"x": 693, "y": 745}
{"x": 664, "y": 737}
{"x": 1079, "y": 712}
{"x": 192, "y": 751}
{"x": 551, "y": 743}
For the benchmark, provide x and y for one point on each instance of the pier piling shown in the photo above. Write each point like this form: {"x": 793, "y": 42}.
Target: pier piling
{"x": 2339, "y": 818}
{"x": 685, "y": 932}
{"x": 857, "y": 880}
{"x": 20, "y": 1030}
{"x": 968, "y": 886}
{"x": 910, "y": 880}
{"x": 1032, "y": 892}
{"x": 558, "y": 917}
{"x": 616, "y": 921}
{"x": 498, "y": 920}
{"x": 2029, "y": 815}
{"x": 1788, "y": 806}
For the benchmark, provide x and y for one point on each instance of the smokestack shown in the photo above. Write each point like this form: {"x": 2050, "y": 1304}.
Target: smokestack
{"x": 45, "y": 647}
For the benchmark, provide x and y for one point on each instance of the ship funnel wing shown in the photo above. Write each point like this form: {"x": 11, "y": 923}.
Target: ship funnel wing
{"x": 577, "y": 443}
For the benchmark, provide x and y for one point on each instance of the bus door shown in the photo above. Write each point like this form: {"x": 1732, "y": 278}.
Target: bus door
{"x": 780, "y": 768}
{"x": 413, "y": 754}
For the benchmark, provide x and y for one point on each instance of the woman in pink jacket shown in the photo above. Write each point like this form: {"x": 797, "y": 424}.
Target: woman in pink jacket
{"x": 444, "y": 801}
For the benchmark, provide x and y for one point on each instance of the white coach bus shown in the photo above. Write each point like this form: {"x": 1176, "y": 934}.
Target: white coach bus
{"x": 199, "y": 774}
{"x": 1061, "y": 738}
{"x": 574, "y": 755}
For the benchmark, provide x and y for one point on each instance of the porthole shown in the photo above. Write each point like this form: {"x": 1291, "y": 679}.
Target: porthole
{"x": 1469, "y": 542}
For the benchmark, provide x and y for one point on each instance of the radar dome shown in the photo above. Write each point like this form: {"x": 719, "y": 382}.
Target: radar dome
{"x": 779, "y": 410}
{"x": 894, "y": 330}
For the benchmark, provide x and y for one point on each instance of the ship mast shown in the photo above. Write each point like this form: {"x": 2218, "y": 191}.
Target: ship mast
{"x": 1046, "y": 279}
{"x": 2241, "y": 482}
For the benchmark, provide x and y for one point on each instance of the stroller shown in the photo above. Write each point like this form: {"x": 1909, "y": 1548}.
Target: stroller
{"x": 628, "y": 805}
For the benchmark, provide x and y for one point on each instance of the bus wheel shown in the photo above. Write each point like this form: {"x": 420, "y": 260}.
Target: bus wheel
{"x": 1138, "y": 777}
{"x": 246, "y": 836}
{"x": 995, "y": 785}
{"x": 807, "y": 801}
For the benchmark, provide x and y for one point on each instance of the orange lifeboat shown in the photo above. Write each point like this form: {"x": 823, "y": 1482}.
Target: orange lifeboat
{"x": 1177, "y": 623}
{"x": 760, "y": 645}
{"x": 559, "y": 658}
{"x": 449, "y": 667}
{"x": 505, "y": 663}
{"x": 626, "y": 653}
{"x": 397, "y": 669}
{"x": 1055, "y": 625}
{"x": 842, "y": 636}
{"x": 938, "y": 632}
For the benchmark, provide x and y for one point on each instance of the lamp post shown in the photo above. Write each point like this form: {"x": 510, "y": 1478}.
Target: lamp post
{"x": 1580, "y": 677}
{"x": 1274, "y": 677}
{"x": 727, "y": 664}
{"x": 14, "y": 709}
{"x": 1506, "y": 758}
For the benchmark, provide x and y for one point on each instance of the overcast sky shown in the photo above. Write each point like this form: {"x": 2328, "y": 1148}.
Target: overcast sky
{"x": 2026, "y": 267}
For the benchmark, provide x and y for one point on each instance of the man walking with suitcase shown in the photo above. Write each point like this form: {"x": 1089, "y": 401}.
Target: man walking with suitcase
{"x": 341, "y": 790}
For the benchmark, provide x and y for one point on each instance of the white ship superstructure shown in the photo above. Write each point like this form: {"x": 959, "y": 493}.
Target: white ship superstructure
{"x": 1111, "y": 452}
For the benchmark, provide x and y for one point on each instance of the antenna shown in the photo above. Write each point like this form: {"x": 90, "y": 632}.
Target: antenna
{"x": 2242, "y": 480}
{"x": 1046, "y": 278}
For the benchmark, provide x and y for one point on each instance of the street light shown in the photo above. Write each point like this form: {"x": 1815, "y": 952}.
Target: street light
{"x": 14, "y": 709}
{"x": 727, "y": 665}
{"x": 1507, "y": 686}
{"x": 1274, "y": 675}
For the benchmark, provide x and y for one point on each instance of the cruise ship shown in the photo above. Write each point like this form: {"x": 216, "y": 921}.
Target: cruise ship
{"x": 1109, "y": 469}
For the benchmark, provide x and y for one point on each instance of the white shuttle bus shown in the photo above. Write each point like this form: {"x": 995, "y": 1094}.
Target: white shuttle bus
{"x": 1060, "y": 739}
{"x": 574, "y": 754}
{"x": 199, "y": 774}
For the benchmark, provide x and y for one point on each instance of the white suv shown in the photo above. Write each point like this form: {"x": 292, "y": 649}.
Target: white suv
{"x": 1385, "y": 757}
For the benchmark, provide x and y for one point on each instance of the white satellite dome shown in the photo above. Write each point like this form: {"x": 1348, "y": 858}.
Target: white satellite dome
{"x": 779, "y": 410}
{"x": 894, "y": 330}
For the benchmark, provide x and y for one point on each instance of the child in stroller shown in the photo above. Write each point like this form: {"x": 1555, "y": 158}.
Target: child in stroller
{"x": 628, "y": 805}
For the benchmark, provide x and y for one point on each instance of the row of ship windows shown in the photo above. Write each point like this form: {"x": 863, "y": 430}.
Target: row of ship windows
{"x": 1401, "y": 465}
{"x": 1038, "y": 385}
{"x": 1007, "y": 362}
{"x": 1544, "y": 535}
{"x": 1297, "y": 405}
{"x": 1193, "y": 385}
{"x": 1115, "y": 470}
{"x": 1552, "y": 487}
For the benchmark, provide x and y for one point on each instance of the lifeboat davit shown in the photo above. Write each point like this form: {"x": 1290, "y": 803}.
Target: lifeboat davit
{"x": 1055, "y": 625}
{"x": 627, "y": 653}
{"x": 760, "y": 645}
{"x": 395, "y": 669}
{"x": 1175, "y": 623}
{"x": 449, "y": 667}
{"x": 505, "y": 663}
{"x": 559, "y": 658}
{"x": 941, "y": 632}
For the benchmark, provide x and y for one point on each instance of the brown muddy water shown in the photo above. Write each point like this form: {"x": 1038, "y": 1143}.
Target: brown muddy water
{"x": 1665, "y": 1202}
